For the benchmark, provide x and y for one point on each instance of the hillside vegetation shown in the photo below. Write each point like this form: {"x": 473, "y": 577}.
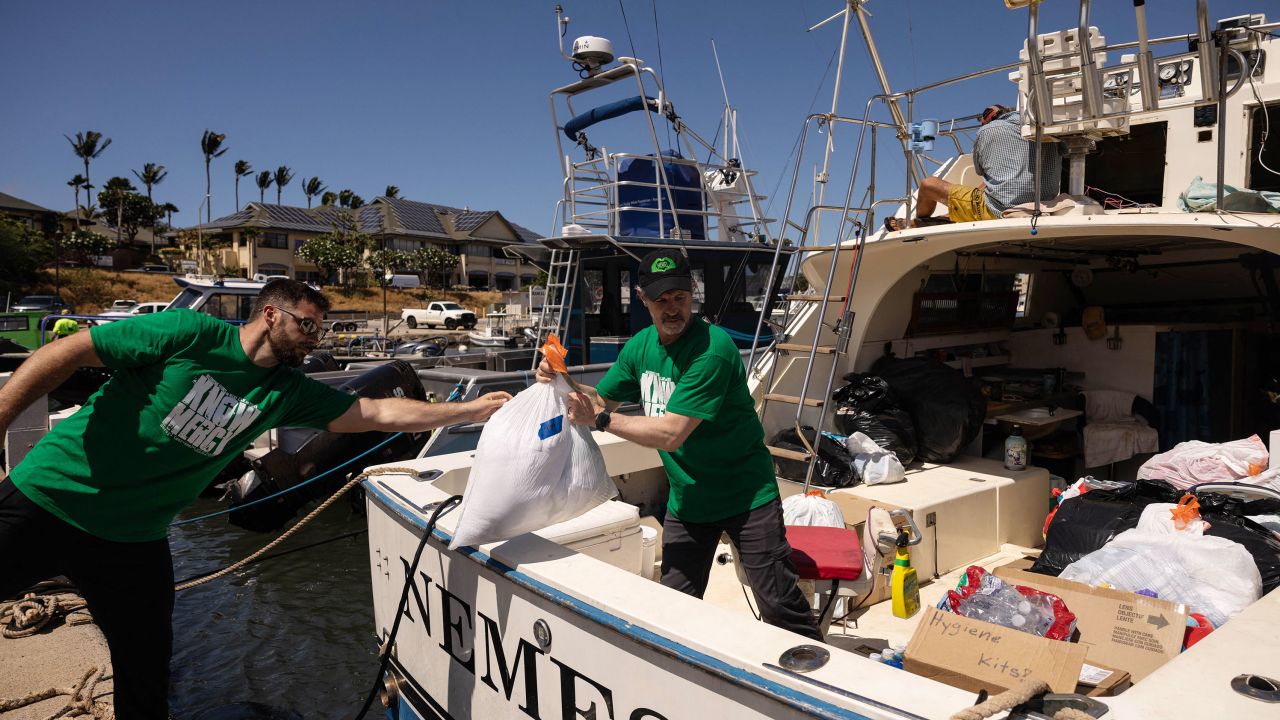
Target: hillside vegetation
{"x": 92, "y": 291}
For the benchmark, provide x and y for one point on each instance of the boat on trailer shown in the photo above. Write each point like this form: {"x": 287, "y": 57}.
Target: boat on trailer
{"x": 569, "y": 621}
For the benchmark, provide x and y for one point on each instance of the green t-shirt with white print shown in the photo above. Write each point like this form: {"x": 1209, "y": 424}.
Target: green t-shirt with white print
{"x": 723, "y": 468}
{"x": 182, "y": 402}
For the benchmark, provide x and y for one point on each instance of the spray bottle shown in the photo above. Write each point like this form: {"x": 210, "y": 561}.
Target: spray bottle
{"x": 905, "y": 588}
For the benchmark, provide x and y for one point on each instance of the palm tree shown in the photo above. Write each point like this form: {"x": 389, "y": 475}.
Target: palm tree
{"x": 76, "y": 183}
{"x": 328, "y": 198}
{"x": 356, "y": 202}
{"x": 312, "y": 187}
{"x": 264, "y": 182}
{"x": 169, "y": 209}
{"x": 392, "y": 192}
{"x": 242, "y": 168}
{"x": 152, "y": 174}
{"x": 284, "y": 175}
{"x": 344, "y": 197}
{"x": 88, "y": 145}
{"x": 211, "y": 146}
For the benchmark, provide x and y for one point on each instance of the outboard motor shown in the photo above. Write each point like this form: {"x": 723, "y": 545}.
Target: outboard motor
{"x": 303, "y": 453}
{"x": 319, "y": 361}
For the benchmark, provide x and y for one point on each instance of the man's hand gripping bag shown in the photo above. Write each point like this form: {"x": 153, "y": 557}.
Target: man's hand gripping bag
{"x": 532, "y": 468}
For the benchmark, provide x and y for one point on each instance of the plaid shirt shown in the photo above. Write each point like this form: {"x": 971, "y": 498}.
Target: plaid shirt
{"x": 1003, "y": 159}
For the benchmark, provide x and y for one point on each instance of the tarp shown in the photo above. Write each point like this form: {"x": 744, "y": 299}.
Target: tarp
{"x": 1202, "y": 196}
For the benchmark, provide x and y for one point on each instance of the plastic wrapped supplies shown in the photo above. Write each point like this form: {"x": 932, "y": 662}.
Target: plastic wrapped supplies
{"x": 1213, "y": 576}
{"x": 1193, "y": 462}
{"x": 532, "y": 468}
{"x": 983, "y": 596}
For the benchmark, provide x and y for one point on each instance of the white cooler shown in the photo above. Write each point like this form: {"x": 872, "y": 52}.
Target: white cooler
{"x": 610, "y": 532}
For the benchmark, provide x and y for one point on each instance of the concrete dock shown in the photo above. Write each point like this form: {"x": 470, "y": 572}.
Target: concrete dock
{"x": 58, "y": 656}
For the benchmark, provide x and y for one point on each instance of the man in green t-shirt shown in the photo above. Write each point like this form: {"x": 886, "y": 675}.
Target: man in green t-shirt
{"x": 94, "y": 498}
{"x": 699, "y": 415}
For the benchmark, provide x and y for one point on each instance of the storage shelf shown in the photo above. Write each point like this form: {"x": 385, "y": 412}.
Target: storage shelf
{"x": 980, "y": 361}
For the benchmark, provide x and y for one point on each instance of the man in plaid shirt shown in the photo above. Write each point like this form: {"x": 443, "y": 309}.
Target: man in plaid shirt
{"x": 1003, "y": 159}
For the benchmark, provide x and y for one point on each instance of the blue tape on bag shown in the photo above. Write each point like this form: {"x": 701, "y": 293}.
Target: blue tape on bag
{"x": 550, "y": 427}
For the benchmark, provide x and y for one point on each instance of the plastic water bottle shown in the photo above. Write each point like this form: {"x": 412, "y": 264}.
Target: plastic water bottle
{"x": 1015, "y": 450}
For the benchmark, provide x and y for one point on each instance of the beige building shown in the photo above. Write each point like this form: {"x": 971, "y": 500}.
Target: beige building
{"x": 262, "y": 238}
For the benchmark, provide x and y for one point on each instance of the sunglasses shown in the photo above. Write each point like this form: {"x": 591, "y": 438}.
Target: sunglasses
{"x": 308, "y": 326}
{"x": 991, "y": 113}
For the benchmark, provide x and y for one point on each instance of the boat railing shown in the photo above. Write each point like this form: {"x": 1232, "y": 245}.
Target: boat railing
{"x": 715, "y": 199}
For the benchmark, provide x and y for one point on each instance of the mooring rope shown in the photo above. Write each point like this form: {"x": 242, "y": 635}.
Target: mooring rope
{"x": 350, "y": 484}
{"x": 80, "y": 704}
{"x": 1012, "y": 698}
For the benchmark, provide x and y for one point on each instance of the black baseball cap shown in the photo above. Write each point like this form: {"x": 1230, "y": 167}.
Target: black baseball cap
{"x": 663, "y": 270}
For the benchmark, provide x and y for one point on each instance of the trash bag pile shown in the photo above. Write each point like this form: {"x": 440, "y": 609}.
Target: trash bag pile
{"x": 920, "y": 409}
{"x": 843, "y": 461}
{"x": 1199, "y": 547}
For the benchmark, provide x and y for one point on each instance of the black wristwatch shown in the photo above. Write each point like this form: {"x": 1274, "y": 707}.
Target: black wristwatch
{"x": 602, "y": 420}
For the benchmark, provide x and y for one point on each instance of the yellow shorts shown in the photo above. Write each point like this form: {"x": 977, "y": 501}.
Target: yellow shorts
{"x": 967, "y": 204}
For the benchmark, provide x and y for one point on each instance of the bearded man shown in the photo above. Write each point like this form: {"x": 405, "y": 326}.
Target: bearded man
{"x": 698, "y": 414}
{"x": 93, "y": 500}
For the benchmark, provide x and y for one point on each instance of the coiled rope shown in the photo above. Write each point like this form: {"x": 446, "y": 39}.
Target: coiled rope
{"x": 350, "y": 484}
{"x": 26, "y": 616}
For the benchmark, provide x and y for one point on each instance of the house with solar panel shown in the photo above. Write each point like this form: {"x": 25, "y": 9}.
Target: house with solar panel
{"x": 263, "y": 239}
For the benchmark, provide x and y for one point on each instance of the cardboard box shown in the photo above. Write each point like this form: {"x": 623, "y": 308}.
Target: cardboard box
{"x": 1102, "y": 681}
{"x": 975, "y": 655}
{"x": 1121, "y": 629}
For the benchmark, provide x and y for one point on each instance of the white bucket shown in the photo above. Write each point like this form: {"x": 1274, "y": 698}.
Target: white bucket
{"x": 648, "y": 551}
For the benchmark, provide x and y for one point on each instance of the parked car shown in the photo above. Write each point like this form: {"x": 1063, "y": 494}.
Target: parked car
{"x": 134, "y": 310}
{"x": 156, "y": 268}
{"x": 42, "y": 303}
{"x": 446, "y": 313}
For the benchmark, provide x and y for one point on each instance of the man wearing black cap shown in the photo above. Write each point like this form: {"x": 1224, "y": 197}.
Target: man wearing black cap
{"x": 1002, "y": 158}
{"x": 699, "y": 415}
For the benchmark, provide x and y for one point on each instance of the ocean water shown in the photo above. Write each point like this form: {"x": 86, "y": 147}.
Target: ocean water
{"x": 290, "y": 637}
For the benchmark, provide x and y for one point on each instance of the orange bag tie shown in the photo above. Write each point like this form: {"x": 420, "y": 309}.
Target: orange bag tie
{"x": 556, "y": 354}
{"x": 1185, "y": 512}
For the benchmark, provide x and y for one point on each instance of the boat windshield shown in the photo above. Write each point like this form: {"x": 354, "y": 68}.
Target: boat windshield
{"x": 186, "y": 298}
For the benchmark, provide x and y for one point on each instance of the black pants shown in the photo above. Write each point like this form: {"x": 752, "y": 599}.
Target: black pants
{"x": 129, "y": 588}
{"x": 688, "y": 549}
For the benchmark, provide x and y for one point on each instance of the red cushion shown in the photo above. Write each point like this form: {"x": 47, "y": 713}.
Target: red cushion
{"x": 825, "y": 553}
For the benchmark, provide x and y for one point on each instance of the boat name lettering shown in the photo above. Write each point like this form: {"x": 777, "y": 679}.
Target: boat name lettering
{"x": 457, "y": 638}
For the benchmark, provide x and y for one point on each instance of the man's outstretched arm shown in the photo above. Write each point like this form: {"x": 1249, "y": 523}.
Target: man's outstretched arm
{"x": 405, "y": 415}
{"x": 46, "y": 369}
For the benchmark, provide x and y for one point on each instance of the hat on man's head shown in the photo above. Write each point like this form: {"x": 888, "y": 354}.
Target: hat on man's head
{"x": 663, "y": 270}
{"x": 991, "y": 112}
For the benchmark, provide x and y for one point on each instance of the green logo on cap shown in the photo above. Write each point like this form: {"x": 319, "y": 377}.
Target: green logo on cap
{"x": 663, "y": 264}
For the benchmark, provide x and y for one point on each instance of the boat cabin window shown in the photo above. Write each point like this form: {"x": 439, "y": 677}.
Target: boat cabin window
{"x": 1260, "y": 178}
{"x": 226, "y": 306}
{"x": 1127, "y": 169}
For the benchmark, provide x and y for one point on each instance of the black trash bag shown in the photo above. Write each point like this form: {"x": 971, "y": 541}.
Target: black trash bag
{"x": 946, "y": 409}
{"x": 834, "y": 468}
{"x": 1086, "y": 523}
{"x": 890, "y": 428}
{"x": 868, "y": 406}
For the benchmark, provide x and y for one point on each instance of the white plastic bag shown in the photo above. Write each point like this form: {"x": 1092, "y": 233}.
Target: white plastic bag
{"x": 875, "y": 465}
{"x": 532, "y": 468}
{"x": 1213, "y": 576}
{"x": 812, "y": 510}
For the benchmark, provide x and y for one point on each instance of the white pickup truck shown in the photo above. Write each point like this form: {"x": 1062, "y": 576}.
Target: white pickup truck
{"x": 446, "y": 313}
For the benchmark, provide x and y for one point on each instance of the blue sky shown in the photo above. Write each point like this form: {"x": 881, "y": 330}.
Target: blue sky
{"x": 448, "y": 100}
